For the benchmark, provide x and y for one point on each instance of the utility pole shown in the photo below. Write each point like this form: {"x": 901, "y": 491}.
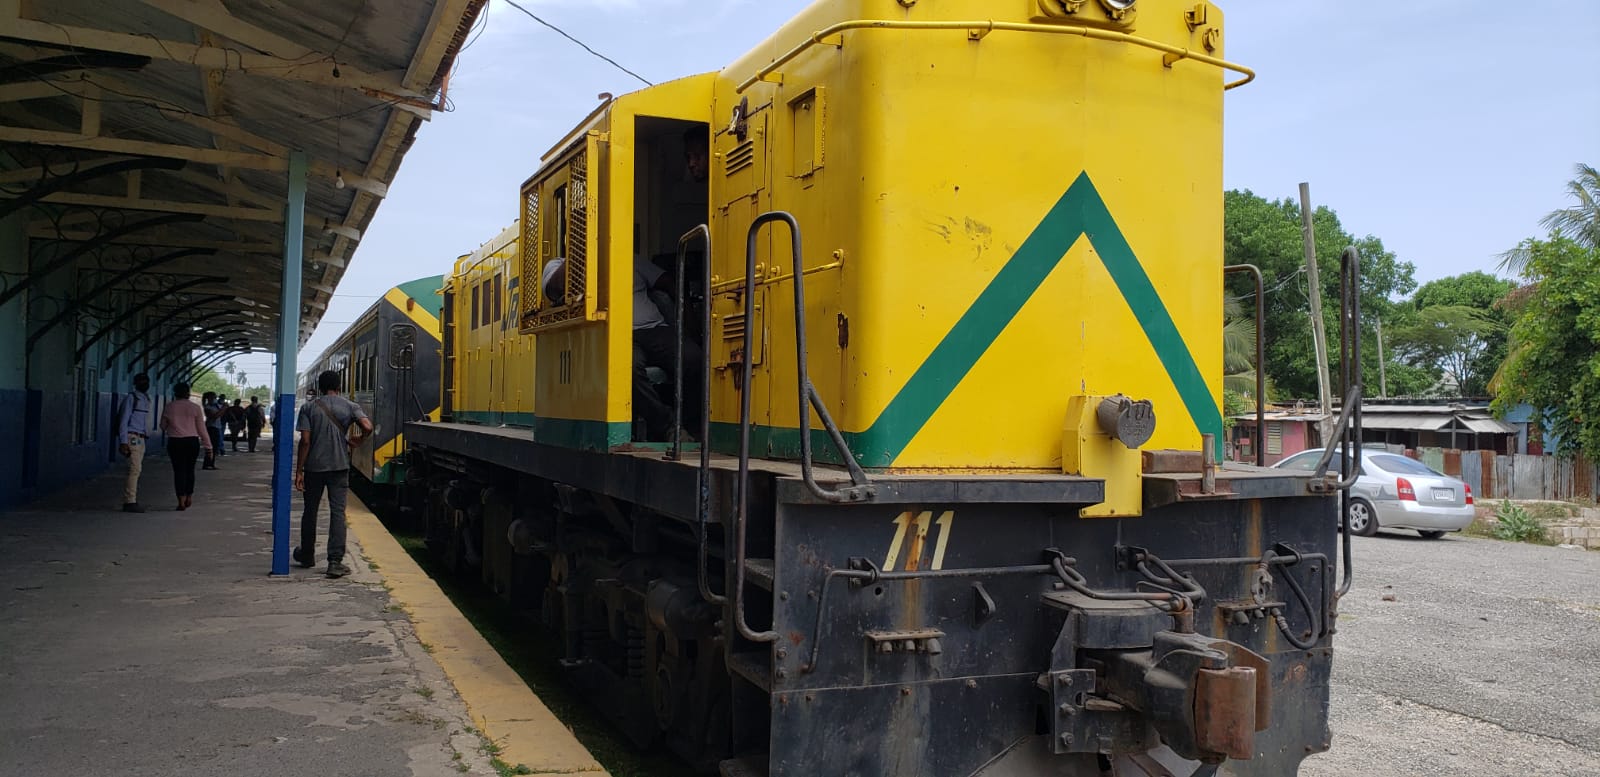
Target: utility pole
{"x": 1383, "y": 367}
{"x": 1319, "y": 336}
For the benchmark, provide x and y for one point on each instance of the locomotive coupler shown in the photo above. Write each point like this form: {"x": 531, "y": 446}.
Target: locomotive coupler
{"x": 1124, "y": 672}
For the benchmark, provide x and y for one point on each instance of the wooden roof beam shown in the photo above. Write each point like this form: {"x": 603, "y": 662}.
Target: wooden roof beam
{"x": 313, "y": 68}
{"x": 210, "y": 156}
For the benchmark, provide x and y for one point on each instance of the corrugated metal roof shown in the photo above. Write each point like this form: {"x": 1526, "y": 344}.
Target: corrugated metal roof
{"x": 1416, "y": 422}
{"x": 1431, "y": 409}
{"x": 1488, "y": 426}
{"x": 222, "y": 90}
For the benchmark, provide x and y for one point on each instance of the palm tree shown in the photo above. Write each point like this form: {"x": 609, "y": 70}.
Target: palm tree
{"x": 1238, "y": 350}
{"x": 1580, "y": 222}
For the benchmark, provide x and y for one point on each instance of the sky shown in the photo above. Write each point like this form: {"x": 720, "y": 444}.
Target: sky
{"x": 1447, "y": 128}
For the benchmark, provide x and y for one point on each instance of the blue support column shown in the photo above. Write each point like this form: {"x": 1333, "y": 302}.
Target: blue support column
{"x": 294, "y": 232}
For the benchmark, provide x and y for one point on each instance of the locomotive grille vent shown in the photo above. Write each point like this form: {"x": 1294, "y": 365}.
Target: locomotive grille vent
{"x": 531, "y": 297}
{"x": 578, "y": 230}
{"x": 570, "y": 202}
{"x": 741, "y": 157}
{"x": 733, "y": 325}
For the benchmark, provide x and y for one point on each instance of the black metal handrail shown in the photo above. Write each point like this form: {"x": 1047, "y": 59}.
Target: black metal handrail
{"x": 859, "y": 489}
{"x": 703, "y": 479}
{"x": 1348, "y": 430}
{"x": 1261, "y": 359}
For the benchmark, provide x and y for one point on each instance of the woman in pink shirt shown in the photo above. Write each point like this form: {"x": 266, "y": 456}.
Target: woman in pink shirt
{"x": 185, "y": 425}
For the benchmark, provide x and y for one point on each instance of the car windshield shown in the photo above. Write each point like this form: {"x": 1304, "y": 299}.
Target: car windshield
{"x": 1306, "y": 462}
{"x": 1400, "y": 465}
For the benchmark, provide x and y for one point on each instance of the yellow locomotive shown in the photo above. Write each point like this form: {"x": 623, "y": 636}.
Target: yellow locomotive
{"x": 878, "y": 437}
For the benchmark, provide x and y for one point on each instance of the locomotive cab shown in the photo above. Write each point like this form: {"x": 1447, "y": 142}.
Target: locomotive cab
{"x": 601, "y": 222}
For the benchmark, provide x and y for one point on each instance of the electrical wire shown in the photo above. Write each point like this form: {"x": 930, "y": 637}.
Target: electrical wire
{"x": 482, "y": 26}
{"x": 581, "y": 44}
{"x": 1287, "y": 279}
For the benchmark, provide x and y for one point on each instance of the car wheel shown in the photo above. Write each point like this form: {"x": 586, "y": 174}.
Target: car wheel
{"x": 1430, "y": 535}
{"x": 1363, "y": 519}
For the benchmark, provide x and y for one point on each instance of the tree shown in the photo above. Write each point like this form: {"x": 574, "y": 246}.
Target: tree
{"x": 1456, "y": 338}
{"x": 1475, "y": 289}
{"x": 211, "y": 381}
{"x": 1579, "y": 222}
{"x": 1266, "y": 233}
{"x": 1456, "y": 330}
{"x": 1554, "y": 365}
{"x": 1238, "y": 351}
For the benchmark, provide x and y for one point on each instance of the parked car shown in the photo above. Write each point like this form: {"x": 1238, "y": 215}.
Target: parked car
{"x": 1395, "y": 492}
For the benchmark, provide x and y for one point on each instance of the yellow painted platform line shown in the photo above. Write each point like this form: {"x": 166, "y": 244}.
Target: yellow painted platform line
{"x": 500, "y": 703}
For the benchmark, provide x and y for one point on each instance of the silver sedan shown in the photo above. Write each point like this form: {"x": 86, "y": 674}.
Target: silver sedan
{"x": 1395, "y": 492}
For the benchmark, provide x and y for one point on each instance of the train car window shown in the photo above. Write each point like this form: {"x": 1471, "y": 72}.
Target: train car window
{"x": 560, "y": 207}
{"x": 498, "y": 311}
{"x": 477, "y": 302}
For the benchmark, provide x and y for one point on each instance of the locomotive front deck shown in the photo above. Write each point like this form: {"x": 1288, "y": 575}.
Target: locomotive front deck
{"x": 932, "y": 617}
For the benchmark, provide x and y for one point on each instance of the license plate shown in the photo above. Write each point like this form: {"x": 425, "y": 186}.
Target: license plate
{"x": 1444, "y": 493}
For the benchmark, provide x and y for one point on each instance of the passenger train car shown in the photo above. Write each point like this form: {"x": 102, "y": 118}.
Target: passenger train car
{"x": 388, "y": 362}
{"x": 940, "y": 494}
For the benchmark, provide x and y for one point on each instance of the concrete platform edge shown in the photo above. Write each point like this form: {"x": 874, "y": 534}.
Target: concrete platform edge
{"x": 500, "y": 703}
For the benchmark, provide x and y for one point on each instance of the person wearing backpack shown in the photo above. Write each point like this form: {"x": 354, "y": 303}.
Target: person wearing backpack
{"x": 133, "y": 426}
{"x": 329, "y": 426}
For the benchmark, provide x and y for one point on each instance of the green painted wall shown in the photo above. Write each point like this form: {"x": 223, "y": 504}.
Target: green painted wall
{"x": 14, "y": 265}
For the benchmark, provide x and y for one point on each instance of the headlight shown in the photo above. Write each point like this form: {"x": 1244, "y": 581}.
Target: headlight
{"x": 1117, "y": 8}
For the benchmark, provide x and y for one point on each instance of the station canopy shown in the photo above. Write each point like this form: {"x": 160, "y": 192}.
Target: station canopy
{"x": 153, "y": 137}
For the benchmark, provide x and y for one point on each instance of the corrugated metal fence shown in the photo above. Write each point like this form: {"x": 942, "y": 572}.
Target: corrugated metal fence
{"x": 1519, "y": 476}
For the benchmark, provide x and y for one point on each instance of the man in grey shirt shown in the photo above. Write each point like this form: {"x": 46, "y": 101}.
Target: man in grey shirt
{"x": 323, "y": 463}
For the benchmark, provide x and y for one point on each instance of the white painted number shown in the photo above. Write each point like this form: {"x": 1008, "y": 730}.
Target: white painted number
{"x": 922, "y": 521}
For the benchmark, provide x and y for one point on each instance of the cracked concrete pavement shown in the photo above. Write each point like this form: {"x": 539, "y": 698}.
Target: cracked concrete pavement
{"x": 155, "y": 644}
{"x": 1486, "y": 662}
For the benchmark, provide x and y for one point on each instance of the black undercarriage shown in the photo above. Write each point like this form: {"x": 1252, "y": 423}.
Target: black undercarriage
{"x": 947, "y": 626}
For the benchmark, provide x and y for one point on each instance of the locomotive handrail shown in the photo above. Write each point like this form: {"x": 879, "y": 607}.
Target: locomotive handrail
{"x": 1348, "y": 429}
{"x": 1261, "y": 360}
{"x": 859, "y": 489}
{"x": 703, "y": 479}
{"x": 977, "y": 29}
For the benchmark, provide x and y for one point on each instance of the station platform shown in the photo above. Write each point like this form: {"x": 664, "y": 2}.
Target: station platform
{"x": 157, "y": 644}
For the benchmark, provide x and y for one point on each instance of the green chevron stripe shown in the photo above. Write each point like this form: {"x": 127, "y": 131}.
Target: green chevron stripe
{"x": 1079, "y": 212}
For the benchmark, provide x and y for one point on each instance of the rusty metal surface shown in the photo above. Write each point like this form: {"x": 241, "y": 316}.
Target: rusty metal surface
{"x": 1225, "y": 711}
{"x": 992, "y": 644}
{"x": 1171, "y": 461}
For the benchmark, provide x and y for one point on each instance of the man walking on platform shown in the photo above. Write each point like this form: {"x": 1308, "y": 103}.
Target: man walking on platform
{"x": 255, "y": 417}
{"x": 133, "y": 423}
{"x": 213, "y": 414}
{"x": 323, "y": 463}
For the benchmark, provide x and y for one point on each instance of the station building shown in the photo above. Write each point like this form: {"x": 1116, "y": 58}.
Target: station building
{"x": 181, "y": 181}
